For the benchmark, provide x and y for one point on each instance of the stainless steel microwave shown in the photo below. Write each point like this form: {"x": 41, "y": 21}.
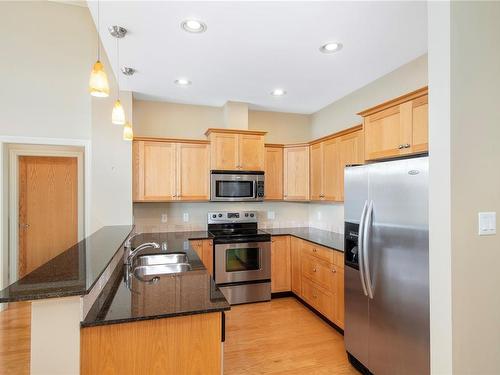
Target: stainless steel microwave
{"x": 236, "y": 186}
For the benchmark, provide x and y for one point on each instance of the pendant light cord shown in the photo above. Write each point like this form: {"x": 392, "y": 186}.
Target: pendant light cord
{"x": 98, "y": 28}
{"x": 118, "y": 65}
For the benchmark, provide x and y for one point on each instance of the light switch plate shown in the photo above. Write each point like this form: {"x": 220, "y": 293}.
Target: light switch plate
{"x": 185, "y": 217}
{"x": 487, "y": 223}
{"x": 164, "y": 218}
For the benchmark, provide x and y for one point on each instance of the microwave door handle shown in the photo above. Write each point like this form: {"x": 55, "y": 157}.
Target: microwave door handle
{"x": 361, "y": 249}
{"x": 254, "y": 189}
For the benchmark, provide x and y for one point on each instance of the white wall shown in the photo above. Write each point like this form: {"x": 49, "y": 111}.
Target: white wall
{"x": 341, "y": 114}
{"x": 48, "y": 49}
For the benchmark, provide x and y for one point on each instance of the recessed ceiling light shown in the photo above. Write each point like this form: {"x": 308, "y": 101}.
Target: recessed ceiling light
{"x": 193, "y": 26}
{"x": 278, "y": 92}
{"x": 182, "y": 82}
{"x": 331, "y": 47}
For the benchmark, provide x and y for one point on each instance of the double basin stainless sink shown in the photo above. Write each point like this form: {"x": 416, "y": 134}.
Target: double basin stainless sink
{"x": 151, "y": 266}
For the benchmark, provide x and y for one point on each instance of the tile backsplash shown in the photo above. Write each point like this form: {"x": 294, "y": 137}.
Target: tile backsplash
{"x": 193, "y": 216}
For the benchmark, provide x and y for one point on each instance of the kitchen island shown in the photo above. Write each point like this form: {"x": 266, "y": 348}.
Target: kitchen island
{"x": 86, "y": 319}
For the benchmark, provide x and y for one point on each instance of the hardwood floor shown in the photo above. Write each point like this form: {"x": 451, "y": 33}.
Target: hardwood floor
{"x": 277, "y": 337}
{"x": 15, "y": 339}
{"x": 282, "y": 337}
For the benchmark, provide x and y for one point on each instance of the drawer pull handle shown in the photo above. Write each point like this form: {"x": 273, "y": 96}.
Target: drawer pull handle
{"x": 334, "y": 270}
{"x": 314, "y": 269}
{"x": 315, "y": 296}
{"x": 314, "y": 250}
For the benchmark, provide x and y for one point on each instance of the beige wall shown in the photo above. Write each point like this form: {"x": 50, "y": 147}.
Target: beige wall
{"x": 281, "y": 127}
{"x": 46, "y": 64}
{"x": 341, "y": 114}
{"x": 164, "y": 119}
{"x": 475, "y": 185}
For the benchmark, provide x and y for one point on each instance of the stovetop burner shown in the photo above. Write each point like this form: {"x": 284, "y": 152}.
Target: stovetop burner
{"x": 236, "y": 226}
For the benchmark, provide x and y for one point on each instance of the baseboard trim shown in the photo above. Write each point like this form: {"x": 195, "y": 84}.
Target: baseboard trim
{"x": 282, "y": 295}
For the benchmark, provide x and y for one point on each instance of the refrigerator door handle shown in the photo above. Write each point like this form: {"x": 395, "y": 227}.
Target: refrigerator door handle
{"x": 361, "y": 249}
{"x": 366, "y": 248}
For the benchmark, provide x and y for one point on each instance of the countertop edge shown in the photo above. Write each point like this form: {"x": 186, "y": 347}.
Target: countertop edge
{"x": 302, "y": 238}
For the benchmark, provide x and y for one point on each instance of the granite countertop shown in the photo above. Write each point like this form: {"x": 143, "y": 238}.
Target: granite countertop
{"x": 73, "y": 272}
{"x": 192, "y": 292}
{"x": 321, "y": 237}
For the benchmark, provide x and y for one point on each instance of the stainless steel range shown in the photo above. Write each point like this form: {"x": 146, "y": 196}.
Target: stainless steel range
{"x": 242, "y": 256}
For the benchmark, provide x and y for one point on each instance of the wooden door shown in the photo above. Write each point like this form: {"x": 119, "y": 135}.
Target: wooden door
{"x": 330, "y": 170}
{"x": 350, "y": 152}
{"x": 296, "y": 276}
{"x": 193, "y": 171}
{"x": 280, "y": 264}
{"x": 159, "y": 171}
{"x": 420, "y": 125}
{"x": 386, "y": 131}
{"x": 224, "y": 151}
{"x": 48, "y": 209}
{"x": 296, "y": 170}
{"x": 273, "y": 186}
{"x": 316, "y": 171}
{"x": 251, "y": 152}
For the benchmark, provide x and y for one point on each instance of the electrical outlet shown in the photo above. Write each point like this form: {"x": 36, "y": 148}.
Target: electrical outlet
{"x": 164, "y": 218}
{"x": 271, "y": 215}
{"x": 487, "y": 223}
{"x": 185, "y": 217}
{"x": 185, "y": 245}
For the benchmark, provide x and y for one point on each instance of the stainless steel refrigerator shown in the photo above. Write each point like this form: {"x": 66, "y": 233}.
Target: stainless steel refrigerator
{"x": 387, "y": 267}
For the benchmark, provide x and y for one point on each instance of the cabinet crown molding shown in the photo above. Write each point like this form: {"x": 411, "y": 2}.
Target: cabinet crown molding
{"x": 234, "y": 131}
{"x": 172, "y": 140}
{"x": 338, "y": 134}
{"x": 393, "y": 102}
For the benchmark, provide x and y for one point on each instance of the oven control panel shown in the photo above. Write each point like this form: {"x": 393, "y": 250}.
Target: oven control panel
{"x": 221, "y": 217}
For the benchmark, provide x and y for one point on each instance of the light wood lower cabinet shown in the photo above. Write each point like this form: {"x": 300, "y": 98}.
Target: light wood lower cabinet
{"x": 179, "y": 345}
{"x": 204, "y": 249}
{"x": 280, "y": 264}
{"x": 168, "y": 170}
{"x": 295, "y": 244}
{"x": 312, "y": 272}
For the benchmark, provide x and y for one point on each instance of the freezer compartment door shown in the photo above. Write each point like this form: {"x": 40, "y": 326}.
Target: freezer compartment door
{"x": 355, "y": 192}
{"x": 356, "y": 316}
{"x": 398, "y": 252}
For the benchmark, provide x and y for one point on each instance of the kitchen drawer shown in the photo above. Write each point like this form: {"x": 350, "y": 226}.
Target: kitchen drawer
{"x": 318, "y": 251}
{"x": 319, "y": 271}
{"x": 318, "y": 298}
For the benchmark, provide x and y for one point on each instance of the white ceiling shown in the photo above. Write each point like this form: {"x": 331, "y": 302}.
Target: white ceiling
{"x": 250, "y": 48}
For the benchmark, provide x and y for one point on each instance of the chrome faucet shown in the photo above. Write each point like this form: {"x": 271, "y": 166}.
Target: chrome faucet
{"x": 139, "y": 248}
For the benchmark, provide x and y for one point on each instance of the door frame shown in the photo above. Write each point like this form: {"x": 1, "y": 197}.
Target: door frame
{"x": 9, "y": 192}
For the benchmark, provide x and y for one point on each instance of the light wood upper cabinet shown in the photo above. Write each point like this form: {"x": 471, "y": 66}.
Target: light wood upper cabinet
{"x": 316, "y": 171}
{"x": 166, "y": 170}
{"x": 236, "y": 149}
{"x": 251, "y": 152}
{"x": 296, "y": 173}
{"x": 273, "y": 186}
{"x": 280, "y": 264}
{"x": 193, "y": 165}
{"x": 350, "y": 151}
{"x": 398, "y": 127}
{"x": 329, "y": 156}
{"x": 154, "y": 171}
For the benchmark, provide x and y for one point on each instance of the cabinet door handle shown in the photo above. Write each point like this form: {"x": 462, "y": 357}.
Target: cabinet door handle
{"x": 314, "y": 270}
{"x": 334, "y": 270}
{"x": 407, "y": 145}
{"x": 315, "y": 251}
{"x": 401, "y": 147}
{"x": 315, "y": 296}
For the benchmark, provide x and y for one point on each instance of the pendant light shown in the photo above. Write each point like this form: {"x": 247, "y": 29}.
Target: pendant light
{"x": 98, "y": 82}
{"x": 118, "y": 114}
{"x": 128, "y": 132}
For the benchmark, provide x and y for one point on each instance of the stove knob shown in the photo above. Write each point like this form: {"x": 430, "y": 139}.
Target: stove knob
{"x": 251, "y": 215}
{"x": 214, "y": 216}
{"x": 246, "y": 215}
{"x": 220, "y": 215}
